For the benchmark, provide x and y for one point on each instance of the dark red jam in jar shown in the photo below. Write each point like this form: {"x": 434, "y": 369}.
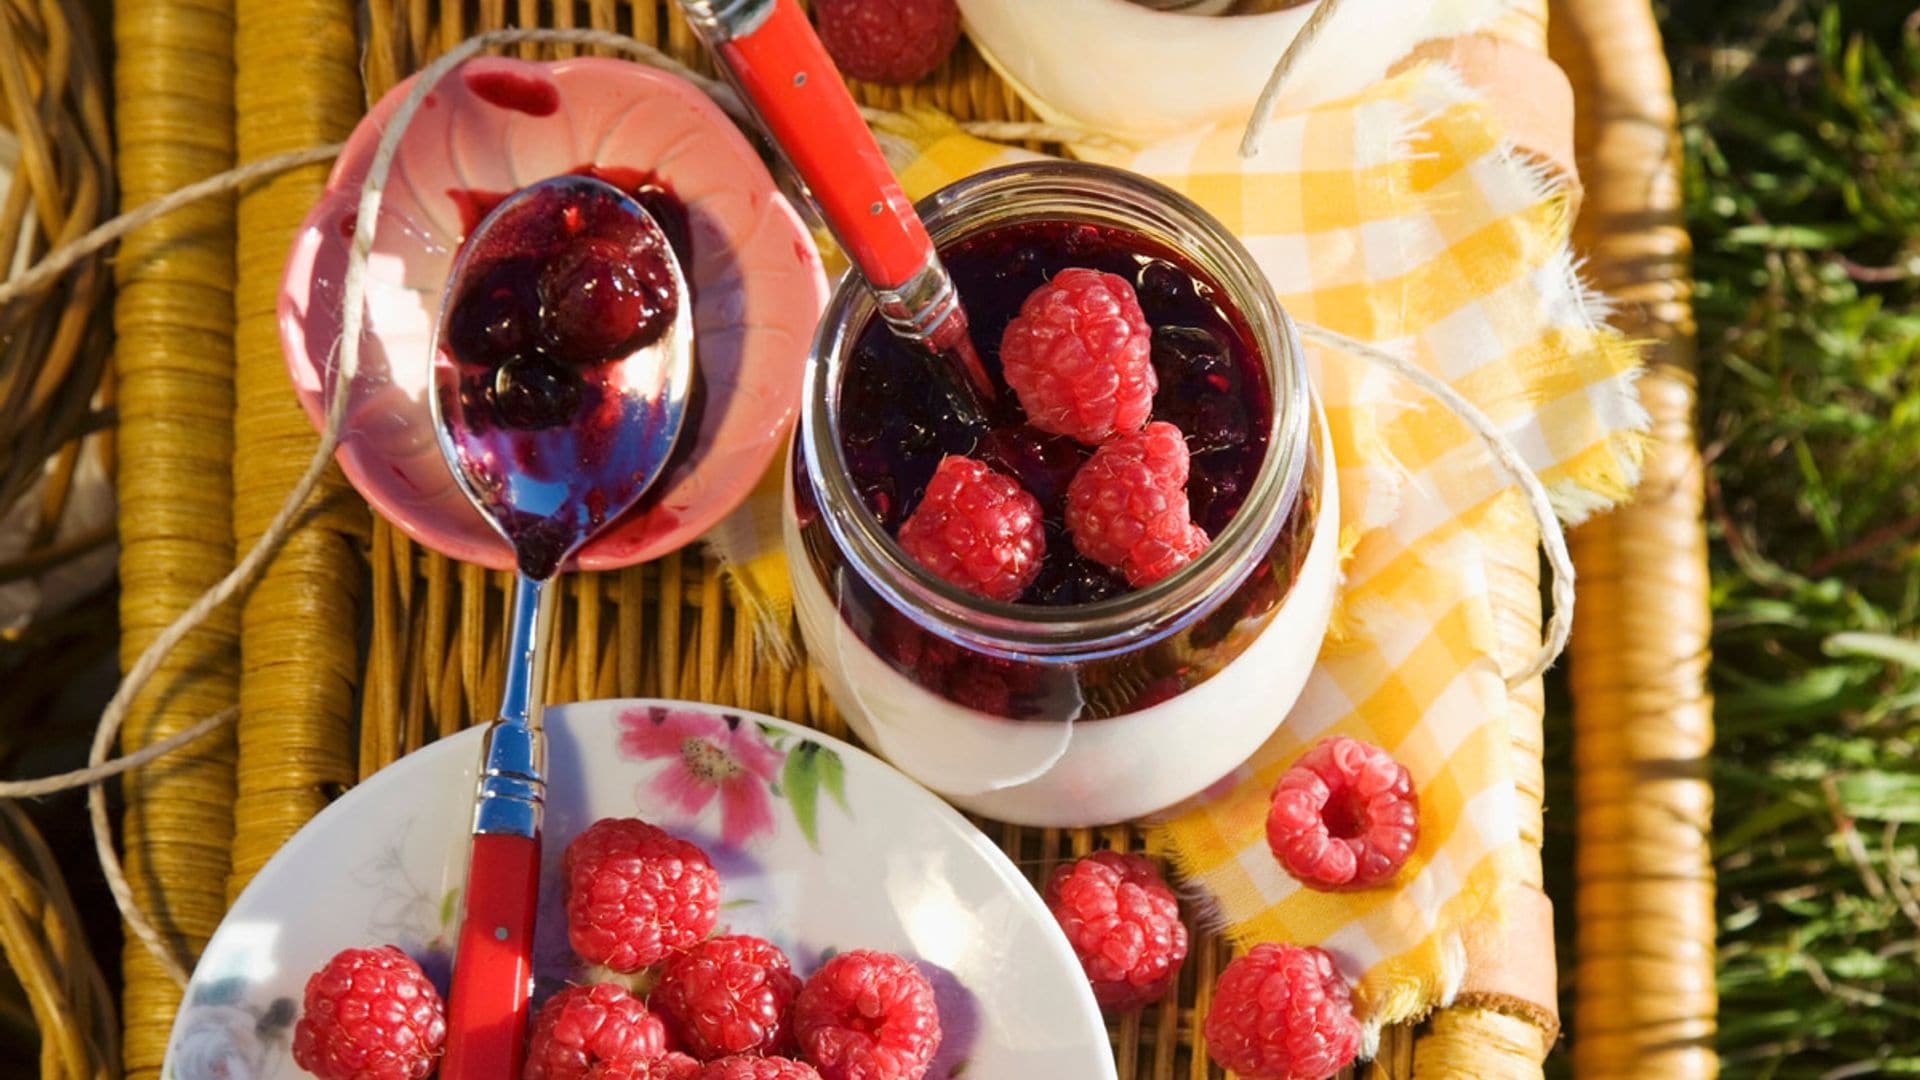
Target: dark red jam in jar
{"x": 1079, "y": 642}
{"x": 902, "y": 410}
{"x": 549, "y": 303}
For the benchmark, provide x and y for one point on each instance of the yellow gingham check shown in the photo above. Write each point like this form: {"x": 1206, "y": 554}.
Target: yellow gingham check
{"x": 1402, "y": 218}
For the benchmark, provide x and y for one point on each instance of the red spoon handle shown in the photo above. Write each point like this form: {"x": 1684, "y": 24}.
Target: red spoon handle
{"x": 493, "y": 970}
{"x": 784, "y": 71}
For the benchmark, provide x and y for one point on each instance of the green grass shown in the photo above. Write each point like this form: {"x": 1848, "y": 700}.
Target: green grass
{"x": 1801, "y": 127}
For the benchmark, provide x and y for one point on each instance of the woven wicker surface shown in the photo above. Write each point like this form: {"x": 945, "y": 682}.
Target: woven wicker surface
{"x": 299, "y": 654}
{"x": 54, "y": 351}
{"x": 54, "y": 355}
{"x": 173, "y": 92}
{"x": 206, "y": 441}
{"x": 1643, "y": 724}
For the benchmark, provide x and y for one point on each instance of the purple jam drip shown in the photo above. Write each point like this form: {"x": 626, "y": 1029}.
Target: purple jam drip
{"x": 546, "y": 311}
{"x": 512, "y": 90}
{"x": 901, "y": 411}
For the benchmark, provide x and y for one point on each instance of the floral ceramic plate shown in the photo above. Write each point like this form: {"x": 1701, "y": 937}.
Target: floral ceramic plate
{"x": 491, "y": 126}
{"x": 820, "y": 848}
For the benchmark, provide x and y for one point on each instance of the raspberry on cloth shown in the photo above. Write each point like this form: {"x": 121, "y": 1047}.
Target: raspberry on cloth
{"x": 1413, "y": 216}
{"x": 1281, "y": 1012}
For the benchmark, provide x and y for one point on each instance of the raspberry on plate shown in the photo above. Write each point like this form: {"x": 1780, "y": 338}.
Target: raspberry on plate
{"x": 868, "y": 1016}
{"x": 728, "y": 995}
{"x": 671, "y": 1066}
{"x": 635, "y": 895}
{"x": 748, "y": 1067}
{"x": 1282, "y": 1012}
{"x": 1123, "y": 923}
{"x": 1345, "y": 816}
{"x": 1079, "y": 357}
{"x": 976, "y": 529}
{"x": 1127, "y": 506}
{"x": 370, "y": 1014}
{"x": 888, "y": 41}
{"x": 582, "y": 1026}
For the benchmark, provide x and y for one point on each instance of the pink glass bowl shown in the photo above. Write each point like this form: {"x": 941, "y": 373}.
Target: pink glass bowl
{"x": 490, "y": 127}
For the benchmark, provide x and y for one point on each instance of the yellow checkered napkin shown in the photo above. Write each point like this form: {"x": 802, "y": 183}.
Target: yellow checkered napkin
{"x": 1399, "y": 217}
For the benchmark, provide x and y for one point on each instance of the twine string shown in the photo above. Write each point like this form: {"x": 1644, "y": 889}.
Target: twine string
{"x": 1283, "y": 69}
{"x": 246, "y": 572}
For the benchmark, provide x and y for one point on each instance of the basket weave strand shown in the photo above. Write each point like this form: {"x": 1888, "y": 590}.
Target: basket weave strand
{"x": 53, "y": 352}
{"x": 1643, "y": 724}
{"x": 299, "y": 655}
{"x": 42, "y": 943}
{"x": 174, "y": 367}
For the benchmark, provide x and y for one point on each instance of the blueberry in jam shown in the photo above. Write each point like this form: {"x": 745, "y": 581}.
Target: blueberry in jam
{"x": 533, "y": 391}
{"x": 1044, "y": 463}
{"x": 901, "y": 411}
{"x": 499, "y": 314}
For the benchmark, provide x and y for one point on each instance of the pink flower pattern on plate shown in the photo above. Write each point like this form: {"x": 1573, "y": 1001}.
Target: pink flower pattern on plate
{"x": 707, "y": 754}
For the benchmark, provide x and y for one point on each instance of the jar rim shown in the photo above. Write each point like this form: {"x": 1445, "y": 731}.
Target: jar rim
{"x": 1098, "y": 194}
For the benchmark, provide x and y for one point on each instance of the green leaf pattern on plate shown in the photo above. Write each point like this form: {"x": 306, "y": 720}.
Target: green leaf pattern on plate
{"x": 811, "y": 766}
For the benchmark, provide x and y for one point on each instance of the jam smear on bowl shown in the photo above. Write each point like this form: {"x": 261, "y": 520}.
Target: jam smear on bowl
{"x": 903, "y": 411}
{"x": 547, "y": 307}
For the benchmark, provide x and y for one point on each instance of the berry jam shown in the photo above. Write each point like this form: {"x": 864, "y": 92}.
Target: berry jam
{"x": 902, "y": 411}
{"x": 553, "y": 301}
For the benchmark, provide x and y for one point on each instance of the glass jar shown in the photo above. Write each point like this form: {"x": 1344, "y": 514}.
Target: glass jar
{"x": 1092, "y": 712}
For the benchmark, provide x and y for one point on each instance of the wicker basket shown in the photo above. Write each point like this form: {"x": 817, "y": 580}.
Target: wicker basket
{"x": 207, "y": 432}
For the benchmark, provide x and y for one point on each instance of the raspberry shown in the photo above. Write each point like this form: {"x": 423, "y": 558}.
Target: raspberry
{"x": 868, "y": 1016}
{"x": 370, "y": 1014}
{"x": 728, "y": 995}
{"x": 1127, "y": 506}
{"x": 673, "y": 1066}
{"x": 888, "y": 41}
{"x": 582, "y": 1026}
{"x": 603, "y": 301}
{"x": 1345, "y": 816}
{"x": 747, "y": 1067}
{"x": 1124, "y": 925}
{"x": 636, "y": 895}
{"x": 976, "y": 529}
{"x": 1079, "y": 357}
{"x": 1282, "y": 1012}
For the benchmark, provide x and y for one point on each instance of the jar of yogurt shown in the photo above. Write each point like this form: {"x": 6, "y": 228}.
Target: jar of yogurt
{"x": 1089, "y": 697}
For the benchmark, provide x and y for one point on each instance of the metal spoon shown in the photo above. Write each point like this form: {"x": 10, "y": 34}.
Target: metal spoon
{"x": 549, "y": 472}
{"x": 769, "y": 51}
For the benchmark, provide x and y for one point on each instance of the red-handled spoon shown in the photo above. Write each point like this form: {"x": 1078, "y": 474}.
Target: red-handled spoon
{"x": 562, "y": 362}
{"x": 770, "y": 52}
